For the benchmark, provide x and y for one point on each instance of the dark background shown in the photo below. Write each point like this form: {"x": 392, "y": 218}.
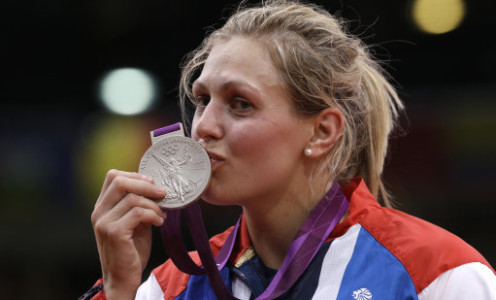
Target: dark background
{"x": 57, "y": 141}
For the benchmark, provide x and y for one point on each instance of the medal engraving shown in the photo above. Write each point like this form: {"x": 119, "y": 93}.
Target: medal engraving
{"x": 181, "y": 166}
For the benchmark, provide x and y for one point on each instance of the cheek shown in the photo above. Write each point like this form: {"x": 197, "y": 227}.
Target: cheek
{"x": 258, "y": 143}
{"x": 246, "y": 139}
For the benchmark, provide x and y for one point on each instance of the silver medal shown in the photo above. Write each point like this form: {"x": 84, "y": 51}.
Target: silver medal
{"x": 181, "y": 166}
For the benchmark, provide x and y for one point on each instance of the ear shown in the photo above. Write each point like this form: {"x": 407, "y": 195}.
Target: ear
{"x": 328, "y": 127}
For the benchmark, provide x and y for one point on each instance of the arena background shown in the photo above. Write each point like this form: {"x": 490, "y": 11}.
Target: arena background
{"x": 58, "y": 140}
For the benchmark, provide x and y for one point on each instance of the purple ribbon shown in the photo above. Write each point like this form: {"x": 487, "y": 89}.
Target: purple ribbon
{"x": 167, "y": 129}
{"x": 174, "y": 245}
{"x": 314, "y": 232}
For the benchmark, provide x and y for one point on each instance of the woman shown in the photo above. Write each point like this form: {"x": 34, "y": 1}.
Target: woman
{"x": 288, "y": 105}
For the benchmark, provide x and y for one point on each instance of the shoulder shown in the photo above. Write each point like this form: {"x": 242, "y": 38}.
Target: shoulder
{"x": 468, "y": 281}
{"x": 424, "y": 250}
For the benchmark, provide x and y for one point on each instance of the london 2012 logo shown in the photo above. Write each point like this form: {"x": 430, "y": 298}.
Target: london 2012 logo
{"x": 362, "y": 294}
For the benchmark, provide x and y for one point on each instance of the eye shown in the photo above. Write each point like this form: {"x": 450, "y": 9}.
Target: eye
{"x": 240, "y": 104}
{"x": 202, "y": 100}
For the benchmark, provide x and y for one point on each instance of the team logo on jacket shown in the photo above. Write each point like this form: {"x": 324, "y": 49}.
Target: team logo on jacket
{"x": 362, "y": 294}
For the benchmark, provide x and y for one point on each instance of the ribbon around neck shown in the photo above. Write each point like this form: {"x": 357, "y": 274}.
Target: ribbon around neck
{"x": 307, "y": 242}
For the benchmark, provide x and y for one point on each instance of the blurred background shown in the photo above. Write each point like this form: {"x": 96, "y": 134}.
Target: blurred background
{"x": 84, "y": 81}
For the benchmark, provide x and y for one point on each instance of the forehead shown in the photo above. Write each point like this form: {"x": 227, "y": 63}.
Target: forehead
{"x": 239, "y": 59}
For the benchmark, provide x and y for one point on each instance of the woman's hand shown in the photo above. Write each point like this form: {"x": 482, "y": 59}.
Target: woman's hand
{"x": 122, "y": 220}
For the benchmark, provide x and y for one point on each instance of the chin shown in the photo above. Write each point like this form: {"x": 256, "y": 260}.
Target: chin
{"x": 210, "y": 198}
{"x": 214, "y": 198}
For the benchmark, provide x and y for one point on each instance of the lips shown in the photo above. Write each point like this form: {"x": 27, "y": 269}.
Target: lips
{"x": 215, "y": 159}
{"x": 214, "y": 155}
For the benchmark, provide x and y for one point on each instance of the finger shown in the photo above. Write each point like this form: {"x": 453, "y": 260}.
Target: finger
{"x": 131, "y": 201}
{"x": 118, "y": 188}
{"x": 113, "y": 174}
{"x": 123, "y": 185}
{"x": 121, "y": 229}
{"x": 135, "y": 217}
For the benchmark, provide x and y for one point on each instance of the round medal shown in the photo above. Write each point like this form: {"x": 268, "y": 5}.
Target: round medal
{"x": 181, "y": 166}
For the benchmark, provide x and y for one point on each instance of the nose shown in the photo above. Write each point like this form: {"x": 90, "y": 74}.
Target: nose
{"x": 207, "y": 122}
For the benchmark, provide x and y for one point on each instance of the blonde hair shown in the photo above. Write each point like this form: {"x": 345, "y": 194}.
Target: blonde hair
{"x": 321, "y": 66}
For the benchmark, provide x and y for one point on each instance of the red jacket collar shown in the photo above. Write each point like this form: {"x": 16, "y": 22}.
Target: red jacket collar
{"x": 357, "y": 193}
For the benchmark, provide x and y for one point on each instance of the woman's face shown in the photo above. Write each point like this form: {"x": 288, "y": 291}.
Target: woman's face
{"x": 247, "y": 124}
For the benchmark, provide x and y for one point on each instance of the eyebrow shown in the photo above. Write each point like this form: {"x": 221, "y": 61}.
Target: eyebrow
{"x": 228, "y": 85}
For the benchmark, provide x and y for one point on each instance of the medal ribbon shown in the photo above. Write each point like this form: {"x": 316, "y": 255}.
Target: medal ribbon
{"x": 307, "y": 242}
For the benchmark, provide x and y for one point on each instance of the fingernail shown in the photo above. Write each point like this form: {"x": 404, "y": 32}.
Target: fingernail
{"x": 160, "y": 190}
{"x": 160, "y": 222}
{"x": 148, "y": 178}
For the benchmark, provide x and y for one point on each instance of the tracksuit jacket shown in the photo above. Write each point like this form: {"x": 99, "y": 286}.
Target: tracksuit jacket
{"x": 375, "y": 253}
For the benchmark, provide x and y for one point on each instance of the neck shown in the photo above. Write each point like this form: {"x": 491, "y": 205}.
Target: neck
{"x": 274, "y": 223}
